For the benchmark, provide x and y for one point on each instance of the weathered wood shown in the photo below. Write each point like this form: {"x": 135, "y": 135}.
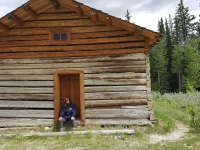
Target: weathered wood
{"x": 149, "y": 105}
{"x": 107, "y": 58}
{"x": 94, "y": 70}
{"x": 59, "y": 16}
{"x": 21, "y": 122}
{"x": 27, "y": 96}
{"x": 26, "y": 104}
{"x": 3, "y": 27}
{"x": 136, "y": 64}
{"x": 25, "y": 90}
{"x": 26, "y": 78}
{"x": 117, "y": 113}
{"x": 26, "y": 83}
{"x": 152, "y": 117}
{"x": 71, "y": 54}
{"x": 112, "y": 103}
{"x": 27, "y": 113}
{"x": 118, "y": 121}
{"x": 30, "y": 11}
{"x": 134, "y": 107}
{"x": 115, "y": 95}
{"x": 114, "y": 82}
{"x": 87, "y": 82}
{"x": 34, "y": 31}
{"x": 65, "y": 48}
{"x": 111, "y": 88}
{"x": 73, "y": 41}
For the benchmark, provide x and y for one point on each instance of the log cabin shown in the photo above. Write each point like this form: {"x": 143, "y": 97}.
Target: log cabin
{"x": 50, "y": 49}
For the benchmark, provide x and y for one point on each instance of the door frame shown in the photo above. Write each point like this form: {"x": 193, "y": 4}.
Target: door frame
{"x": 57, "y": 97}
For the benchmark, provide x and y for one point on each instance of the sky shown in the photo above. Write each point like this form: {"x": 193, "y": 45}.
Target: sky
{"x": 145, "y": 13}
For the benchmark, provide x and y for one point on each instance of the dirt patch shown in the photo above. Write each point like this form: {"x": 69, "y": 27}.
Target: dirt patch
{"x": 180, "y": 131}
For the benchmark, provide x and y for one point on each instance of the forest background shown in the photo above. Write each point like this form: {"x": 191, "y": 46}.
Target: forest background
{"x": 175, "y": 60}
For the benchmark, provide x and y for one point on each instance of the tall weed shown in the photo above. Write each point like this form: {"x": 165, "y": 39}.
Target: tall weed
{"x": 184, "y": 107}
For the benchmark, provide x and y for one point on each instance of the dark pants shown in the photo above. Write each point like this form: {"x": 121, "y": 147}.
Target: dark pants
{"x": 64, "y": 120}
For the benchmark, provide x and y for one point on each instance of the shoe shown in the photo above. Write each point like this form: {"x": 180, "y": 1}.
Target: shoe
{"x": 61, "y": 130}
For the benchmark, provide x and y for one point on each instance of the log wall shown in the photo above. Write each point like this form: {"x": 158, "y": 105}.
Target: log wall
{"x": 116, "y": 70}
{"x": 112, "y": 85}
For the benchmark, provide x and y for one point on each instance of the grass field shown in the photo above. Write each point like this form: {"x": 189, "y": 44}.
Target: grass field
{"x": 169, "y": 109}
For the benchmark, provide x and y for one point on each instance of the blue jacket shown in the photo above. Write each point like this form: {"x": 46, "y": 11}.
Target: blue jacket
{"x": 68, "y": 111}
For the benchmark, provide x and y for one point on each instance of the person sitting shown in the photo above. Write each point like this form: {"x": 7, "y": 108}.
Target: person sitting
{"x": 67, "y": 113}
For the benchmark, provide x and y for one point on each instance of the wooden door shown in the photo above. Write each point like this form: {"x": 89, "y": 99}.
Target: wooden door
{"x": 69, "y": 83}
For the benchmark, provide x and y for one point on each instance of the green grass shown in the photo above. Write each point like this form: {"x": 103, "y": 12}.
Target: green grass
{"x": 168, "y": 108}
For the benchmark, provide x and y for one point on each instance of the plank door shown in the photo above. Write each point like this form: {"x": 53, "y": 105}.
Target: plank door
{"x": 69, "y": 83}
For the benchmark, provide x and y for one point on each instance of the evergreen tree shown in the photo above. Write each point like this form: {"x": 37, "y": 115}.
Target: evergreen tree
{"x": 159, "y": 76}
{"x": 169, "y": 51}
{"x": 161, "y": 27}
{"x": 183, "y": 23}
{"x": 186, "y": 63}
{"x": 127, "y": 16}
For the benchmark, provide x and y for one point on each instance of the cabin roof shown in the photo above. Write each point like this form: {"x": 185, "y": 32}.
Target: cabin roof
{"x": 32, "y": 8}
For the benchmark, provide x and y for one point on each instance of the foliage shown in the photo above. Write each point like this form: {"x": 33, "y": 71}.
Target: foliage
{"x": 186, "y": 59}
{"x": 159, "y": 76}
{"x": 178, "y": 52}
{"x": 188, "y": 104}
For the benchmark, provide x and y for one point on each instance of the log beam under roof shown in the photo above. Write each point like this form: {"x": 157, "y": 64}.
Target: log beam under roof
{"x": 93, "y": 15}
{"x": 3, "y": 27}
{"x": 138, "y": 32}
{"x": 78, "y": 10}
{"x": 15, "y": 20}
{"x": 147, "y": 45}
{"x": 30, "y": 11}
{"x": 56, "y": 4}
{"x": 108, "y": 21}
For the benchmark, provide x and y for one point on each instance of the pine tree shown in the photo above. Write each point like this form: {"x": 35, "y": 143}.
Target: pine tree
{"x": 183, "y": 24}
{"x": 169, "y": 51}
{"x": 127, "y": 16}
{"x": 161, "y": 27}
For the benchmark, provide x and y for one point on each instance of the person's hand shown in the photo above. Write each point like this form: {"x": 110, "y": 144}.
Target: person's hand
{"x": 72, "y": 118}
{"x": 60, "y": 118}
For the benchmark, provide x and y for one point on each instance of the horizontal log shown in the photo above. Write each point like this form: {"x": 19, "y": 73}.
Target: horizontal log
{"x": 26, "y": 78}
{"x": 61, "y": 23}
{"x": 39, "y": 31}
{"x": 26, "y": 104}
{"x": 134, "y": 107}
{"x": 73, "y": 36}
{"x": 61, "y": 10}
{"x": 28, "y": 97}
{"x": 20, "y": 122}
{"x": 27, "y": 83}
{"x": 59, "y": 16}
{"x": 87, "y": 82}
{"x": 115, "y": 82}
{"x": 116, "y": 76}
{"x": 25, "y": 90}
{"x": 94, "y": 70}
{"x": 106, "y": 58}
{"x": 114, "y": 95}
{"x": 123, "y": 88}
{"x": 117, "y": 113}
{"x": 139, "y": 64}
{"x": 71, "y": 54}
{"x": 73, "y": 41}
{"x": 118, "y": 121}
{"x": 112, "y": 103}
{"x": 27, "y": 114}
